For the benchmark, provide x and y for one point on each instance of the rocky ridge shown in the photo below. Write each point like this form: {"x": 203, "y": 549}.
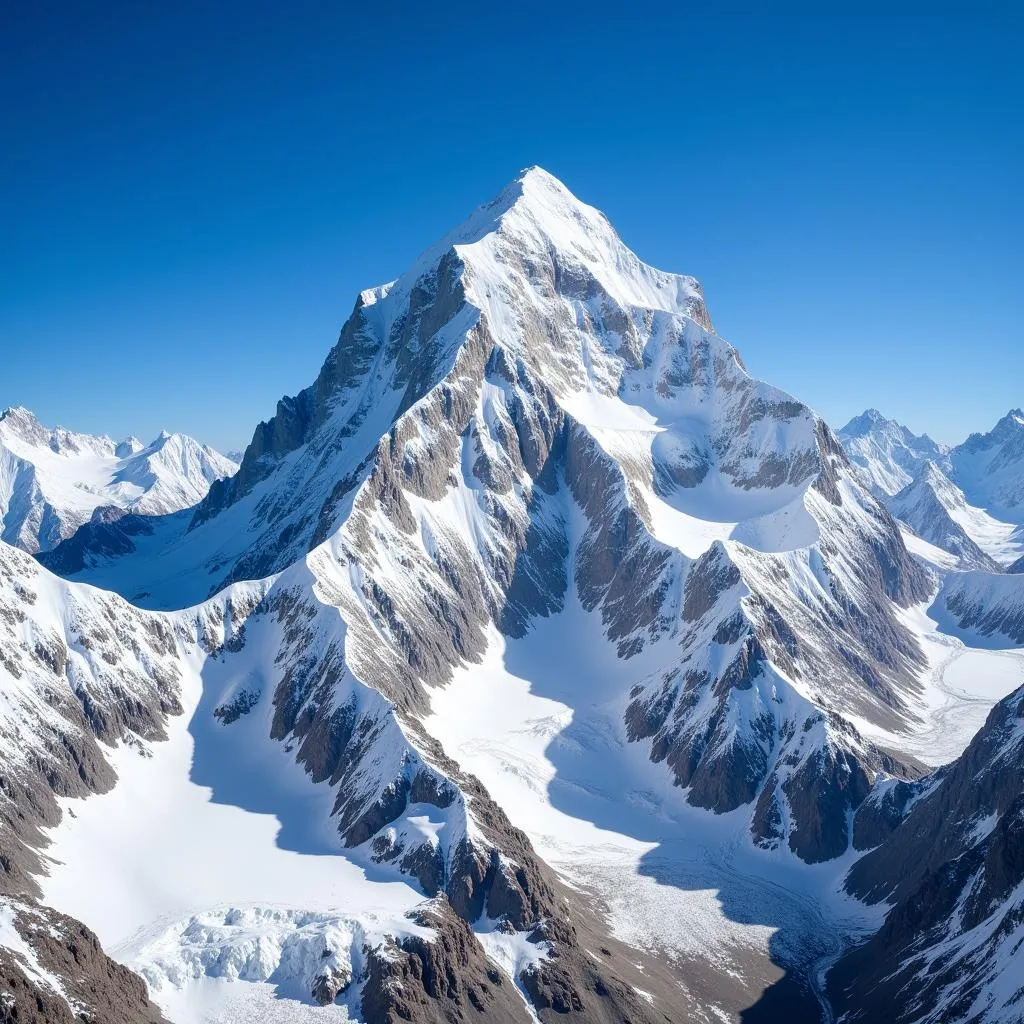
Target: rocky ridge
{"x": 953, "y": 871}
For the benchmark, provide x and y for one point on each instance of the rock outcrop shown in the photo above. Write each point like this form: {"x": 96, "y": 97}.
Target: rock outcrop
{"x": 953, "y": 871}
{"x": 53, "y": 971}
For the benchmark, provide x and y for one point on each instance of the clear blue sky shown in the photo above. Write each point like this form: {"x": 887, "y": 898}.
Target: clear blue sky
{"x": 192, "y": 193}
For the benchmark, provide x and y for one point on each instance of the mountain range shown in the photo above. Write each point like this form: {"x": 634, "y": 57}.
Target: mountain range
{"x": 54, "y": 480}
{"x": 965, "y": 500}
{"x": 536, "y": 663}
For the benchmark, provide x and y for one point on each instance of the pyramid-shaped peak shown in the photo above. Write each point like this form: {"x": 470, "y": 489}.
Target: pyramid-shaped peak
{"x": 870, "y": 419}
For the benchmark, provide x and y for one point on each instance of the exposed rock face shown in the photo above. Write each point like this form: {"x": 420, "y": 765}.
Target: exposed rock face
{"x": 953, "y": 868}
{"x": 51, "y": 481}
{"x": 53, "y": 971}
{"x": 446, "y": 980}
{"x": 109, "y": 533}
{"x": 578, "y": 974}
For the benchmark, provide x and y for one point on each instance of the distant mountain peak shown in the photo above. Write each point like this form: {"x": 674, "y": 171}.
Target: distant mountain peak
{"x": 868, "y": 420}
{"x": 888, "y": 454}
{"x": 53, "y": 479}
{"x": 23, "y": 423}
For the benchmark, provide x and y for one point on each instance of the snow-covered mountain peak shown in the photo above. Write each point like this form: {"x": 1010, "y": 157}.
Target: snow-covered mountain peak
{"x": 539, "y": 216}
{"x": 888, "y": 454}
{"x": 129, "y": 446}
{"x": 865, "y": 423}
{"x": 53, "y": 480}
{"x": 933, "y": 476}
{"x": 939, "y": 512}
{"x": 1008, "y": 428}
{"x": 990, "y": 467}
{"x": 530, "y": 466}
{"x": 532, "y": 417}
{"x": 20, "y": 422}
{"x": 20, "y": 429}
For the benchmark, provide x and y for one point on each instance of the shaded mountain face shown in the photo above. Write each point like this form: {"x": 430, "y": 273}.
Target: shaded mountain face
{"x": 53, "y": 481}
{"x": 953, "y": 870}
{"x": 888, "y": 455}
{"x": 986, "y": 608}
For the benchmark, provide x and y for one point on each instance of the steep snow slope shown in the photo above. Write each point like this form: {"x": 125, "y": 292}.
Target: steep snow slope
{"x": 886, "y": 452}
{"x": 531, "y": 411}
{"x": 937, "y": 511}
{"x": 950, "y": 949}
{"x": 52, "y": 481}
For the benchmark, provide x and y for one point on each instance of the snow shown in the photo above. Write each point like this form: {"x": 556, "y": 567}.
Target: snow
{"x": 193, "y": 968}
{"x": 513, "y": 953}
{"x": 539, "y": 722}
{"x": 146, "y": 864}
{"x": 1002, "y": 541}
{"x": 933, "y": 500}
{"x": 960, "y": 686}
{"x": 931, "y": 555}
{"x": 51, "y": 481}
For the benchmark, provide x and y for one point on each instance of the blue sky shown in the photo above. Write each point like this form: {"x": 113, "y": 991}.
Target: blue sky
{"x": 194, "y": 193}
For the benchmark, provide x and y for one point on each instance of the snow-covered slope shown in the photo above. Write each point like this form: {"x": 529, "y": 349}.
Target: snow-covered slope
{"x": 52, "y": 481}
{"x": 989, "y": 468}
{"x": 952, "y": 945}
{"x": 937, "y": 511}
{"x": 531, "y": 414}
{"x": 886, "y": 452}
{"x": 986, "y": 608}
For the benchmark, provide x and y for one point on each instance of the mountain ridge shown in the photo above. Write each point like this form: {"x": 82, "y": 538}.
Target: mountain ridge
{"x": 529, "y": 427}
{"x": 53, "y": 480}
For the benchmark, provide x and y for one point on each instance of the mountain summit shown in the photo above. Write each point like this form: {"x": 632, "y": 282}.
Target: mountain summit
{"x": 533, "y": 565}
{"x": 530, "y": 417}
{"x": 886, "y": 452}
